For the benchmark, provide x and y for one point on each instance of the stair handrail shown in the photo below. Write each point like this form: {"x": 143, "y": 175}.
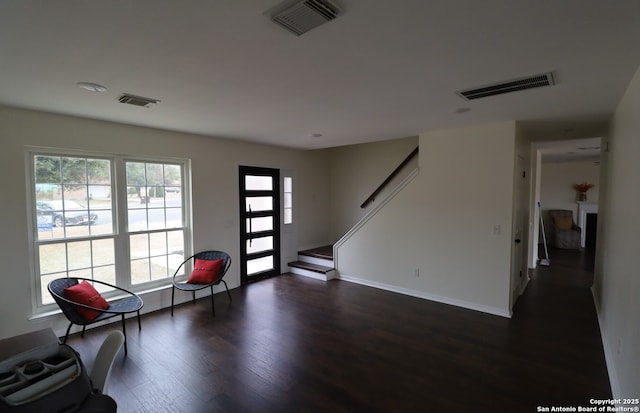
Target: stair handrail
{"x": 393, "y": 174}
{"x": 370, "y": 214}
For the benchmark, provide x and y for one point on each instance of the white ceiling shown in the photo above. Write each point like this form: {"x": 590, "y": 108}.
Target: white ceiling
{"x": 383, "y": 70}
{"x": 587, "y": 149}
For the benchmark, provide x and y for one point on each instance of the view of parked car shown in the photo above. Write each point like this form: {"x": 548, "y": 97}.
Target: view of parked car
{"x": 69, "y": 213}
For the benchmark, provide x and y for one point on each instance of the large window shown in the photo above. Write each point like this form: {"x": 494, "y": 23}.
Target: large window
{"x": 155, "y": 220}
{"x": 89, "y": 225}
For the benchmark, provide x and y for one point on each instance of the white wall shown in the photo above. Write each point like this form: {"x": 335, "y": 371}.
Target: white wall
{"x": 557, "y": 180}
{"x": 215, "y": 194}
{"x": 617, "y": 274}
{"x": 356, "y": 171}
{"x": 443, "y": 222}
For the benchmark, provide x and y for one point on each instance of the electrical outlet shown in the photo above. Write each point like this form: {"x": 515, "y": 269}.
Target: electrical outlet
{"x": 416, "y": 272}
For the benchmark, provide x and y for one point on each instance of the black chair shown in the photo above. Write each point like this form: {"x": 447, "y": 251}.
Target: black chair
{"x": 193, "y": 287}
{"x": 129, "y": 304}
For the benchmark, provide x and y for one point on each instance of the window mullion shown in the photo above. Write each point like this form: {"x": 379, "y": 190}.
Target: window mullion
{"x": 123, "y": 276}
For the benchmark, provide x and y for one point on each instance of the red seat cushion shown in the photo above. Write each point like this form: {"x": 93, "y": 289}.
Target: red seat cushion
{"x": 84, "y": 293}
{"x": 205, "y": 271}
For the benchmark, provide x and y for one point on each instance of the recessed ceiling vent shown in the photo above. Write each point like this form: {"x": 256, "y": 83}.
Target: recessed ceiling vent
{"x": 137, "y": 100}
{"x": 544, "y": 79}
{"x": 303, "y": 16}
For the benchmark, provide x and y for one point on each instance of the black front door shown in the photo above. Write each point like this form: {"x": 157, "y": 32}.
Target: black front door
{"x": 259, "y": 223}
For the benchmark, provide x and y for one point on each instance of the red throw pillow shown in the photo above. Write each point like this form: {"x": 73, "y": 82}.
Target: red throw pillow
{"x": 205, "y": 271}
{"x": 84, "y": 293}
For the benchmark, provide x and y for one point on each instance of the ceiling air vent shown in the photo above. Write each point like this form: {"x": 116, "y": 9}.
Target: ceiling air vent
{"x": 303, "y": 16}
{"x": 544, "y": 79}
{"x": 137, "y": 100}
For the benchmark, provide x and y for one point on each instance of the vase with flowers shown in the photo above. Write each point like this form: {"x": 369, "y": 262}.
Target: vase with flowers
{"x": 582, "y": 189}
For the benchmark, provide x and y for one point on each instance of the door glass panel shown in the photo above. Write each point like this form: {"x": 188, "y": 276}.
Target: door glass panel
{"x": 259, "y": 265}
{"x": 259, "y": 224}
{"x": 259, "y": 203}
{"x": 258, "y": 183}
{"x": 259, "y": 245}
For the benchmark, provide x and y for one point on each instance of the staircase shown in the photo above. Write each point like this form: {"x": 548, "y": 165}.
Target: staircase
{"x": 315, "y": 263}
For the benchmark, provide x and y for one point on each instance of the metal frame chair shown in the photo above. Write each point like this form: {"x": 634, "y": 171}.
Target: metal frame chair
{"x": 132, "y": 303}
{"x": 184, "y": 286}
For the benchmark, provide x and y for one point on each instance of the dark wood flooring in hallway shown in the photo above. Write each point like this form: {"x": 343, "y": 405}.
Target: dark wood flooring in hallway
{"x": 293, "y": 344}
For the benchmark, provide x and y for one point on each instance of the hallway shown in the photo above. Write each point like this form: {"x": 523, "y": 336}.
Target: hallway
{"x": 557, "y": 319}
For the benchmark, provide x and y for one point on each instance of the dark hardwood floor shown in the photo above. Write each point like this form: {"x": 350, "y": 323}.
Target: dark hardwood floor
{"x": 293, "y": 344}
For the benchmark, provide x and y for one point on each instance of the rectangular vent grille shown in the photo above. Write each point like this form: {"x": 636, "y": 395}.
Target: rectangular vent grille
{"x": 545, "y": 79}
{"x": 305, "y": 15}
{"x": 137, "y": 100}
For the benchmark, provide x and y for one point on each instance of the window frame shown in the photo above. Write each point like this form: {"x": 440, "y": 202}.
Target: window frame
{"x": 186, "y": 221}
{"x": 120, "y": 231}
{"x": 290, "y": 221}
